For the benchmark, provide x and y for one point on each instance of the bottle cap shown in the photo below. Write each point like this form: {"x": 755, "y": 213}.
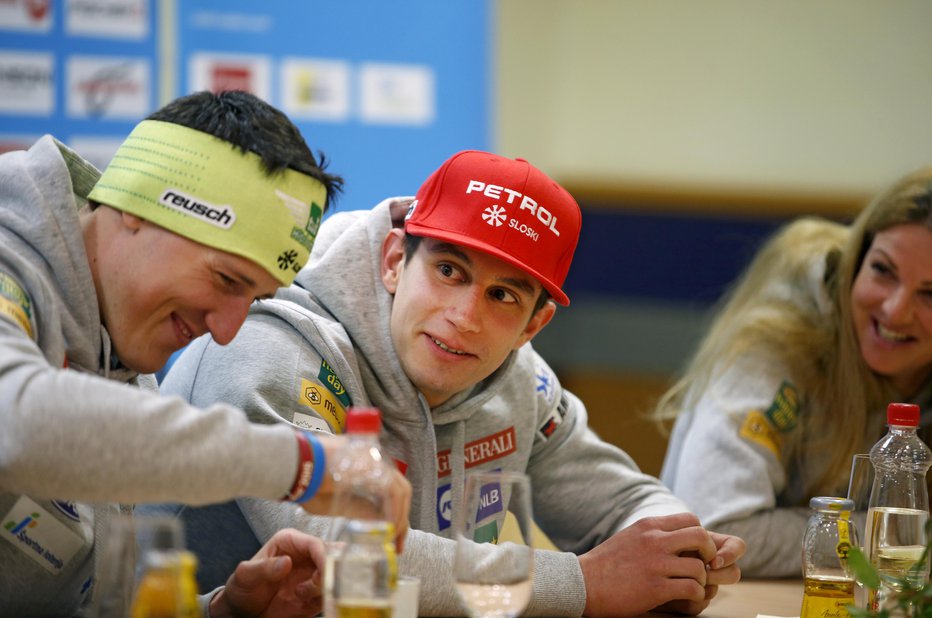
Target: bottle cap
{"x": 363, "y": 420}
{"x": 903, "y": 414}
{"x": 831, "y": 503}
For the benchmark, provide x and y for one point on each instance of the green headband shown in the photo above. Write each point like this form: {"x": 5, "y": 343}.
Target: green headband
{"x": 206, "y": 189}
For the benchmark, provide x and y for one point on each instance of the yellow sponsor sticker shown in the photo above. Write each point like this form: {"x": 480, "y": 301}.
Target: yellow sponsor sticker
{"x": 15, "y": 303}
{"x": 324, "y": 403}
{"x": 844, "y": 537}
{"x": 12, "y": 310}
{"x": 757, "y": 428}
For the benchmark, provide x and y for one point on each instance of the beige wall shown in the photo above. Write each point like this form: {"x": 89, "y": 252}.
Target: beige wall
{"x": 750, "y": 106}
{"x": 721, "y": 95}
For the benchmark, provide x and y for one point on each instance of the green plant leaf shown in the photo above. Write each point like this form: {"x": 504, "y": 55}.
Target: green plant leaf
{"x": 863, "y": 570}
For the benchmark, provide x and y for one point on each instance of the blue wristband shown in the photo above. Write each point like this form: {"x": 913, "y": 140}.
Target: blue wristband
{"x": 320, "y": 464}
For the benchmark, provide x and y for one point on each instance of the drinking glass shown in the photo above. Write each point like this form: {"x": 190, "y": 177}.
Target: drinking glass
{"x": 859, "y": 492}
{"x": 116, "y": 552}
{"x": 859, "y": 485}
{"x": 126, "y": 549}
{"x": 493, "y": 580}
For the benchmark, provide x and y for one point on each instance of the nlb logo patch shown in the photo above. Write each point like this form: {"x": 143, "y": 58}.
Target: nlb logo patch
{"x": 219, "y": 216}
{"x": 490, "y": 501}
{"x": 496, "y": 215}
{"x": 36, "y": 533}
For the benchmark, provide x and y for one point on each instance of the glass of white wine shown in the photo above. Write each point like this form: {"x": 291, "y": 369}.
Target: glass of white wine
{"x": 493, "y": 564}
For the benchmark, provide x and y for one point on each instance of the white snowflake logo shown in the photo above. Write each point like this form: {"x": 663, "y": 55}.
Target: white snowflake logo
{"x": 494, "y": 215}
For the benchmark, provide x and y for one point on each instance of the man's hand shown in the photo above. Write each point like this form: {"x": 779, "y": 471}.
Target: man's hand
{"x": 283, "y": 579}
{"x": 398, "y": 493}
{"x": 665, "y": 563}
{"x": 721, "y": 571}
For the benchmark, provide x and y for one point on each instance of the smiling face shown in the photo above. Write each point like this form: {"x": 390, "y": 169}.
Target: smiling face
{"x": 892, "y": 306}
{"x": 158, "y": 290}
{"x": 457, "y": 313}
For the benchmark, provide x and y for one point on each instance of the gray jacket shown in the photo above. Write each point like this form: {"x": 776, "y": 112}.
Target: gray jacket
{"x": 744, "y": 428}
{"x": 71, "y": 442}
{"x": 324, "y": 344}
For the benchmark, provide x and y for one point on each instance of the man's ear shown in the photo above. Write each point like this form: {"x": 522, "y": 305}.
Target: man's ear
{"x": 537, "y": 322}
{"x": 130, "y": 221}
{"x": 393, "y": 258}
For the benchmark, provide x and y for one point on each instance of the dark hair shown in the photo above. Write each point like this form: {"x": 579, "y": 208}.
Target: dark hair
{"x": 253, "y": 125}
{"x": 412, "y": 242}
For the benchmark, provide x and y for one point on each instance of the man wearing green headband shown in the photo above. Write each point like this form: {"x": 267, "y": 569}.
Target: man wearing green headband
{"x": 210, "y": 204}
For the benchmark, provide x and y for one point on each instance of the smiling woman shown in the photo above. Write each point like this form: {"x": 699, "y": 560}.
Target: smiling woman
{"x": 892, "y": 306}
{"x": 829, "y": 324}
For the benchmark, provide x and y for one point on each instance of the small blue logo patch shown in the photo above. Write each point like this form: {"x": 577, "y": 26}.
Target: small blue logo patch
{"x": 546, "y": 382}
{"x": 444, "y": 506}
{"x": 68, "y": 509}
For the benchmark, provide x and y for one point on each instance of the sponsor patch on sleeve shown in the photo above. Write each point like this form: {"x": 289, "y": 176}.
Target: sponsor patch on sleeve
{"x": 554, "y": 419}
{"x": 15, "y": 303}
{"x": 545, "y": 383}
{"x": 758, "y": 429}
{"x": 784, "y": 411}
{"x": 322, "y": 401}
{"x": 328, "y": 378}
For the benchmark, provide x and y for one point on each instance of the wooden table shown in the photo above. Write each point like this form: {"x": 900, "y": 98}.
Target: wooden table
{"x": 748, "y": 598}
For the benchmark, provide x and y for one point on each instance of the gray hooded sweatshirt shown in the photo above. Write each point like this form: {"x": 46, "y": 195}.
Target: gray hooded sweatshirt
{"x": 325, "y": 343}
{"x": 68, "y": 437}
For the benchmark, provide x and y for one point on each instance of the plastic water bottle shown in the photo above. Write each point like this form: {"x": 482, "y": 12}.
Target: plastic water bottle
{"x": 899, "y": 503}
{"x": 361, "y": 574}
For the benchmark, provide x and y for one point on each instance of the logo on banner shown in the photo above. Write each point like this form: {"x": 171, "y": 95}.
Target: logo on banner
{"x": 26, "y": 15}
{"x": 120, "y": 19}
{"x": 26, "y": 82}
{"x": 216, "y": 72}
{"x": 107, "y": 87}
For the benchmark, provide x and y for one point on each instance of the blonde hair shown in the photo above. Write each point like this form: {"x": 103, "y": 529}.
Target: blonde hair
{"x": 773, "y": 308}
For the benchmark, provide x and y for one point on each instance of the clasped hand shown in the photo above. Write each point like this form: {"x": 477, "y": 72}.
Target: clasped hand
{"x": 668, "y": 563}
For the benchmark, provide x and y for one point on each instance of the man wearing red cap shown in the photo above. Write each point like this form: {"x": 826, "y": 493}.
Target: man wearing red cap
{"x": 424, "y": 307}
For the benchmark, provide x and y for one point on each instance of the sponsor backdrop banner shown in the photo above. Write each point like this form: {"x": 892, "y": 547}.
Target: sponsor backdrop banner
{"x": 388, "y": 90}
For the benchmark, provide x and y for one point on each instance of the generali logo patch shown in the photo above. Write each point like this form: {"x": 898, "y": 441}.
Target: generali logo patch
{"x": 480, "y": 451}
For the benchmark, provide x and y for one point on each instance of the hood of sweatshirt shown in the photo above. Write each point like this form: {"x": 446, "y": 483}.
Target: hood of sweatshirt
{"x": 42, "y": 247}
{"x": 343, "y": 277}
{"x": 343, "y": 281}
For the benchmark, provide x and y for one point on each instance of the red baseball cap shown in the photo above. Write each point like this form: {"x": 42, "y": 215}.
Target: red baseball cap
{"x": 504, "y": 207}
